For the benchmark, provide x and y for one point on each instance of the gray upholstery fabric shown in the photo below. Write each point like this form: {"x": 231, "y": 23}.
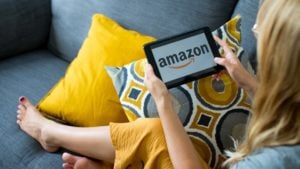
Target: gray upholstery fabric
{"x": 33, "y": 75}
{"x": 24, "y": 25}
{"x": 248, "y": 10}
{"x": 159, "y": 18}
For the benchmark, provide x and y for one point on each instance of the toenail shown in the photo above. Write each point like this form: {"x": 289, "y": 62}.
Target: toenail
{"x": 22, "y": 98}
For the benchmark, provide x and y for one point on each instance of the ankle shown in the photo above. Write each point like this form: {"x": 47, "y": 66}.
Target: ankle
{"x": 47, "y": 135}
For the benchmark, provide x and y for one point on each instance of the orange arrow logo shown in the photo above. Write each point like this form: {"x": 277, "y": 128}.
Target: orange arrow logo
{"x": 191, "y": 60}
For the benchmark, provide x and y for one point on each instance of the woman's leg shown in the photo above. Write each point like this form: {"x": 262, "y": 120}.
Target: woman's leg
{"x": 94, "y": 142}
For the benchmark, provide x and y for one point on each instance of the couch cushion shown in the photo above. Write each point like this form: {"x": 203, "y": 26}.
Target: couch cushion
{"x": 24, "y": 25}
{"x": 31, "y": 74}
{"x": 158, "y": 18}
{"x": 248, "y": 11}
{"x": 86, "y": 96}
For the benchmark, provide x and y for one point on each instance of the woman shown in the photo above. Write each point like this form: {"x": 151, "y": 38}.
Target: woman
{"x": 273, "y": 134}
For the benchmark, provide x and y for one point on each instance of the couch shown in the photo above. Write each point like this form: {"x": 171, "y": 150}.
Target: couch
{"x": 39, "y": 38}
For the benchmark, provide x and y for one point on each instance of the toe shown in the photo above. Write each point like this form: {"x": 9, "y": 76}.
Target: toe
{"x": 67, "y": 166}
{"x": 19, "y": 115}
{"x": 82, "y": 163}
{"x": 24, "y": 101}
{"x": 21, "y": 108}
{"x": 69, "y": 158}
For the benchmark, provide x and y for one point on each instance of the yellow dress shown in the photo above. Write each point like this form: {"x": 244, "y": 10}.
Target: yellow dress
{"x": 141, "y": 144}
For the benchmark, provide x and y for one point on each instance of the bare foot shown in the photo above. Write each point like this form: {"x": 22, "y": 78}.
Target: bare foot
{"x": 34, "y": 124}
{"x": 77, "y": 162}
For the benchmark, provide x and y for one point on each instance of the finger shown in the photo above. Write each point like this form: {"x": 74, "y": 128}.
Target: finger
{"x": 220, "y": 61}
{"x": 150, "y": 76}
{"x": 149, "y": 69}
{"x": 216, "y": 76}
{"x": 223, "y": 45}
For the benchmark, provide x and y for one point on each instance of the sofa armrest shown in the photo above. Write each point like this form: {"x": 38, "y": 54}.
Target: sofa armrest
{"x": 24, "y": 25}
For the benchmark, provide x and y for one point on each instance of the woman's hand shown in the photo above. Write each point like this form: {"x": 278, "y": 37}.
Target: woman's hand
{"x": 235, "y": 69}
{"x": 156, "y": 87}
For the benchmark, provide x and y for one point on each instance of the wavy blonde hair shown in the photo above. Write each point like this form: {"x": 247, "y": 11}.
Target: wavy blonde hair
{"x": 276, "y": 105}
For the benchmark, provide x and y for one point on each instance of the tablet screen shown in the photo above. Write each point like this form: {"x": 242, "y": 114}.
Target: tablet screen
{"x": 183, "y": 58}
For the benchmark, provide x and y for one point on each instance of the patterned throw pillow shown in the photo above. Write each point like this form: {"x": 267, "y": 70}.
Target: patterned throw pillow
{"x": 211, "y": 111}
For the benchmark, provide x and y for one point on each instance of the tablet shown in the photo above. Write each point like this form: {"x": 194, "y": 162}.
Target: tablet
{"x": 183, "y": 58}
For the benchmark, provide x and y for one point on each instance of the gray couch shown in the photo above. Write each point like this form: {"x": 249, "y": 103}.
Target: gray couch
{"x": 39, "y": 38}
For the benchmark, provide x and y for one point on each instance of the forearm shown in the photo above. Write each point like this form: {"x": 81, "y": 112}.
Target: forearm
{"x": 180, "y": 147}
{"x": 181, "y": 150}
{"x": 249, "y": 84}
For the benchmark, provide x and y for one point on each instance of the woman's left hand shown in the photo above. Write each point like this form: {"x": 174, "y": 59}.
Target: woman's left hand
{"x": 156, "y": 87}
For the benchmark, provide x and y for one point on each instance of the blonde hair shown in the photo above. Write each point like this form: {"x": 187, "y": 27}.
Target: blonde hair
{"x": 276, "y": 105}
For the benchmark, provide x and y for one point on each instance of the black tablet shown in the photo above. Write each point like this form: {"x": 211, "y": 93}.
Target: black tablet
{"x": 183, "y": 58}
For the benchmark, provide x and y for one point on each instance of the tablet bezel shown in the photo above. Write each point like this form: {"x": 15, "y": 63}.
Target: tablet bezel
{"x": 194, "y": 76}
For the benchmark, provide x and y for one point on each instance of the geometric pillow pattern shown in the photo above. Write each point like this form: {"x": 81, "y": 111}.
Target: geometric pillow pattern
{"x": 212, "y": 112}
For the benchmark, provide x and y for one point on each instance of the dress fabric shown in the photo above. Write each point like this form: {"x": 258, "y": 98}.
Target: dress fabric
{"x": 140, "y": 144}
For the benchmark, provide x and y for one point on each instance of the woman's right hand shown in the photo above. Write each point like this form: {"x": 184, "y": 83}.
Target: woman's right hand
{"x": 235, "y": 69}
{"x": 156, "y": 87}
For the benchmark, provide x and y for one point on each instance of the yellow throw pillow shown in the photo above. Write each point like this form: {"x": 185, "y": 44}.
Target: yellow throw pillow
{"x": 86, "y": 96}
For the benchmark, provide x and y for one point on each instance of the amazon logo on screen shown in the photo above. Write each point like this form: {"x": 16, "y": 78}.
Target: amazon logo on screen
{"x": 183, "y": 58}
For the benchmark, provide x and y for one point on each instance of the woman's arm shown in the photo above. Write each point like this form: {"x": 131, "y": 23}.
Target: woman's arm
{"x": 235, "y": 69}
{"x": 181, "y": 150}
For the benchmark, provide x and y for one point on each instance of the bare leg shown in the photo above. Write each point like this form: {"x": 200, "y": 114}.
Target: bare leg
{"x": 94, "y": 142}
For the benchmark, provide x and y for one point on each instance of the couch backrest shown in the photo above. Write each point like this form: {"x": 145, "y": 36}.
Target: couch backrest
{"x": 159, "y": 18}
{"x": 248, "y": 10}
{"x": 24, "y": 25}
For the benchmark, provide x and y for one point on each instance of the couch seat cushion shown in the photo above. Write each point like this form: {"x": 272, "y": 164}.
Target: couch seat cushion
{"x": 32, "y": 75}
